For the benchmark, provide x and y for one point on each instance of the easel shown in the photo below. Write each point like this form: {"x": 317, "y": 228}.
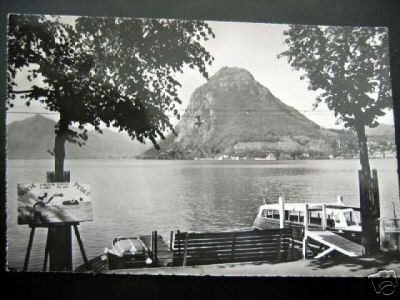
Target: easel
{"x": 53, "y": 246}
{"x": 49, "y": 244}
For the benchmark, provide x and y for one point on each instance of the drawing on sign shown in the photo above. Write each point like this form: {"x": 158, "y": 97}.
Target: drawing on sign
{"x": 60, "y": 202}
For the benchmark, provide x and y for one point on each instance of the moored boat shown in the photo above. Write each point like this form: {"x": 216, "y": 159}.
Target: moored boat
{"x": 127, "y": 252}
{"x": 338, "y": 217}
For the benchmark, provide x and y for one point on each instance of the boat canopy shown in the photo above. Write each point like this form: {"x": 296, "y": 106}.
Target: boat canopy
{"x": 311, "y": 206}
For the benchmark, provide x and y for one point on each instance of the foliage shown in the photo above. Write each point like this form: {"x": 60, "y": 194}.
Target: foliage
{"x": 347, "y": 66}
{"x": 113, "y": 70}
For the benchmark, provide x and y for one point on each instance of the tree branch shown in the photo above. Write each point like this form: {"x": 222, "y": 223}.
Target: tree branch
{"x": 21, "y": 92}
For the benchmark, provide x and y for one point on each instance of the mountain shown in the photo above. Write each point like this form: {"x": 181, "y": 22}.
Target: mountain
{"x": 233, "y": 114}
{"x": 33, "y": 137}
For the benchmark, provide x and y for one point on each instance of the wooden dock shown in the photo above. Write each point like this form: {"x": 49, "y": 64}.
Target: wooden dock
{"x": 156, "y": 247}
{"x": 160, "y": 250}
{"x": 332, "y": 242}
{"x": 201, "y": 248}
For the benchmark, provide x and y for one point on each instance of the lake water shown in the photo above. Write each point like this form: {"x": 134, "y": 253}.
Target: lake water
{"x": 132, "y": 197}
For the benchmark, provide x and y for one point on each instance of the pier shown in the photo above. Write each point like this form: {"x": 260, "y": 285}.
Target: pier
{"x": 202, "y": 248}
{"x": 333, "y": 242}
{"x": 160, "y": 251}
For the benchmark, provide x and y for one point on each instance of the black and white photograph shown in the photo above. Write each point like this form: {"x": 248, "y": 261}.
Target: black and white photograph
{"x": 164, "y": 146}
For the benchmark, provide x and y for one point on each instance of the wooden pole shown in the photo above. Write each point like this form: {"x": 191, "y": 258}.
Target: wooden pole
{"x": 46, "y": 250}
{"x": 306, "y": 216}
{"x": 179, "y": 241}
{"x": 185, "y": 250}
{"x": 28, "y": 251}
{"x": 323, "y": 220}
{"x": 152, "y": 245}
{"x": 281, "y": 212}
{"x": 60, "y": 252}
{"x": 305, "y": 245}
{"x": 305, "y": 222}
{"x": 78, "y": 237}
{"x": 171, "y": 240}
{"x": 155, "y": 246}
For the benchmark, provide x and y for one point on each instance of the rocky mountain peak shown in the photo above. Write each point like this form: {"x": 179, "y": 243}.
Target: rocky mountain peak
{"x": 232, "y": 74}
{"x": 231, "y": 111}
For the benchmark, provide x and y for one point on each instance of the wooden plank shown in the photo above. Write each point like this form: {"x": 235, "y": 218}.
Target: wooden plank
{"x": 192, "y": 243}
{"x": 336, "y": 242}
{"x": 267, "y": 247}
{"x": 194, "y": 239}
{"x": 229, "y": 250}
{"x": 239, "y": 246}
{"x": 326, "y": 252}
{"x": 228, "y": 260}
{"x": 198, "y": 235}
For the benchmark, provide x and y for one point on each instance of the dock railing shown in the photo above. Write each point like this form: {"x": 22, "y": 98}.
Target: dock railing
{"x": 200, "y": 248}
{"x": 389, "y": 234}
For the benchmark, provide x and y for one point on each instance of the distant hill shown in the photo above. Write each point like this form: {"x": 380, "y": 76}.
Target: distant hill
{"x": 233, "y": 114}
{"x": 381, "y": 130}
{"x": 33, "y": 137}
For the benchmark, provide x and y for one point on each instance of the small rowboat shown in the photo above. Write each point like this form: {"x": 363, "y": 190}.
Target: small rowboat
{"x": 127, "y": 252}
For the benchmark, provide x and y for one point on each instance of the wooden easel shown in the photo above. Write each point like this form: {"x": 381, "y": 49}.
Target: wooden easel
{"x": 49, "y": 243}
{"x": 60, "y": 248}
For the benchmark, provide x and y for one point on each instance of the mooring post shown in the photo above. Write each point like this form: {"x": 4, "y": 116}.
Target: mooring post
{"x": 306, "y": 216}
{"x": 305, "y": 222}
{"x": 155, "y": 246}
{"x": 185, "y": 250}
{"x": 281, "y": 212}
{"x": 171, "y": 240}
{"x": 152, "y": 245}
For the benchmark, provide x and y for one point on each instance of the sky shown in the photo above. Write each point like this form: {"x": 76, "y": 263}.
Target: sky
{"x": 251, "y": 46}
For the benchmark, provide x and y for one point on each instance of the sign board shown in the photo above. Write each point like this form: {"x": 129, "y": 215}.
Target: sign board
{"x": 58, "y": 202}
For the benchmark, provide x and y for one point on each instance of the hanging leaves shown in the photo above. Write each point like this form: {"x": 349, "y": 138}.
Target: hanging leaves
{"x": 114, "y": 70}
{"x": 347, "y": 66}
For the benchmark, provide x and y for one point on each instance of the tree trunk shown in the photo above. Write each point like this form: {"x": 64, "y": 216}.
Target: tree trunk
{"x": 363, "y": 148}
{"x": 59, "y": 150}
{"x": 60, "y": 249}
{"x": 368, "y": 207}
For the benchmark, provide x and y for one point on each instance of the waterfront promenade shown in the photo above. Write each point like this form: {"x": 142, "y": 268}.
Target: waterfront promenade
{"x": 343, "y": 267}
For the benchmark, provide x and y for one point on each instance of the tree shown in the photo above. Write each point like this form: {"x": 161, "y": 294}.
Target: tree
{"x": 115, "y": 71}
{"x": 349, "y": 68}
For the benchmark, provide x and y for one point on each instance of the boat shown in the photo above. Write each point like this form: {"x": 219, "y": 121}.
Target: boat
{"x": 127, "y": 252}
{"x": 340, "y": 218}
{"x": 71, "y": 202}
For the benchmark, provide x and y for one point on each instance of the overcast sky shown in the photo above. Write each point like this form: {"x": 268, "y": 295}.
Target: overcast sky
{"x": 253, "y": 47}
